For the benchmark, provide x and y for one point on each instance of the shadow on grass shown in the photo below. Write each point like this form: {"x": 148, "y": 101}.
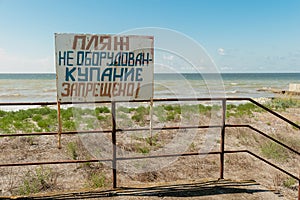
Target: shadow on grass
{"x": 195, "y": 189}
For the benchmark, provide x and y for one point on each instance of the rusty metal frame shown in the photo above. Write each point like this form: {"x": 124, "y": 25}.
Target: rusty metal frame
{"x": 114, "y": 130}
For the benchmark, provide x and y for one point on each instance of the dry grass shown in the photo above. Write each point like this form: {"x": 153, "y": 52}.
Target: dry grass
{"x": 94, "y": 175}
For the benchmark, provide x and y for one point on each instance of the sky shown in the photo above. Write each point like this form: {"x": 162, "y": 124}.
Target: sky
{"x": 238, "y": 35}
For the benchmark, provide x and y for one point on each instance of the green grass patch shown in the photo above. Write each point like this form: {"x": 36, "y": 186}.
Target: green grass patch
{"x": 159, "y": 111}
{"x": 125, "y": 109}
{"x": 242, "y": 110}
{"x": 97, "y": 180}
{"x": 143, "y": 149}
{"x": 67, "y": 114}
{"x": 30, "y": 120}
{"x": 102, "y": 109}
{"x": 69, "y": 125}
{"x": 102, "y": 118}
{"x": 189, "y": 108}
{"x": 140, "y": 114}
{"x": 168, "y": 107}
{"x": 37, "y": 118}
{"x": 42, "y": 179}
{"x": 289, "y": 182}
{"x": 205, "y": 109}
{"x": 281, "y": 104}
{"x": 152, "y": 141}
{"x": 274, "y": 151}
{"x": 45, "y": 118}
{"x": 72, "y": 150}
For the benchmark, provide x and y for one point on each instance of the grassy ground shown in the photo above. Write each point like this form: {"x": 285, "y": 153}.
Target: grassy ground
{"x": 27, "y": 180}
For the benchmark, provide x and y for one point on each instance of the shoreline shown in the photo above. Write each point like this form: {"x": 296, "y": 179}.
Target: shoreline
{"x": 8, "y": 108}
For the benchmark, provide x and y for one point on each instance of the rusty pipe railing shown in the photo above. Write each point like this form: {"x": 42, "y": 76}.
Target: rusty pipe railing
{"x": 114, "y": 129}
{"x": 265, "y": 135}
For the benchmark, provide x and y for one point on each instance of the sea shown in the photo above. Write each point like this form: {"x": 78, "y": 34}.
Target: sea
{"x": 42, "y": 87}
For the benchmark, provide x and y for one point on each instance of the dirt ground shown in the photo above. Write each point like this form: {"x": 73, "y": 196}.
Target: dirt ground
{"x": 205, "y": 189}
{"x": 72, "y": 177}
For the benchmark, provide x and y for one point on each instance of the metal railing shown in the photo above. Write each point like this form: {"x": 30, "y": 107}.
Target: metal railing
{"x": 114, "y": 130}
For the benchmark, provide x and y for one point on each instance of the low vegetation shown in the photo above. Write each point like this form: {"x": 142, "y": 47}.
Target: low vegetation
{"x": 281, "y": 104}
{"x": 40, "y": 180}
{"x": 44, "y": 119}
{"x": 96, "y": 180}
{"x": 274, "y": 151}
{"x": 72, "y": 150}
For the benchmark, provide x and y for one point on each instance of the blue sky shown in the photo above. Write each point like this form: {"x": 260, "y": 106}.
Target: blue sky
{"x": 239, "y": 35}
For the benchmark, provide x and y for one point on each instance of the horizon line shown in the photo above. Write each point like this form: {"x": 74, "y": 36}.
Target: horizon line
{"x": 168, "y": 72}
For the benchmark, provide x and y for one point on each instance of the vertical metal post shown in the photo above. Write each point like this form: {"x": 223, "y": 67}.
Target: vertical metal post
{"x": 222, "y": 145}
{"x": 299, "y": 187}
{"x": 59, "y": 126}
{"x": 114, "y": 143}
{"x": 151, "y": 119}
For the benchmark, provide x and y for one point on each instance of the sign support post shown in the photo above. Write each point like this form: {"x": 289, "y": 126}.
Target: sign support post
{"x": 114, "y": 143}
{"x": 59, "y": 125}
{"x": 151, "y": 120}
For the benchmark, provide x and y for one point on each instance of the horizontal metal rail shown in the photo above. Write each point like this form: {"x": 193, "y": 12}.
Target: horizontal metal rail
{"x": 265, "y": 135}
{"x": 169, "y": 128}
{"x": 54, "y": 133}
{"x": 54, "y": 162}
{"x": 29, "y": 104}
{"x": 106, "y": 160}
{"x": 147, "y": 157}
{"x": 273, "y": 165}
{"x": 169, "y": 155}
{"x": 266, "y": 161}
{"x": 151, "y": 156}
{"x": 109, "y": 131}
{"x": 123, "y": 101}
{"x": 275, "y": 113}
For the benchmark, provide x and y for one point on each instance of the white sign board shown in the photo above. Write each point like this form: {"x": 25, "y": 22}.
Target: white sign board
{"x": 104, "y": 67}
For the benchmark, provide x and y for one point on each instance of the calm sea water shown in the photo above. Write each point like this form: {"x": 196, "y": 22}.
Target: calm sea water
{"x": 42, "y": 87}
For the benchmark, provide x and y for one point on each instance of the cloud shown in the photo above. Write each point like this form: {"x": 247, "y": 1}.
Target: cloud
{"x": 11, "y": 63}
{"x": 221, "y": 51}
